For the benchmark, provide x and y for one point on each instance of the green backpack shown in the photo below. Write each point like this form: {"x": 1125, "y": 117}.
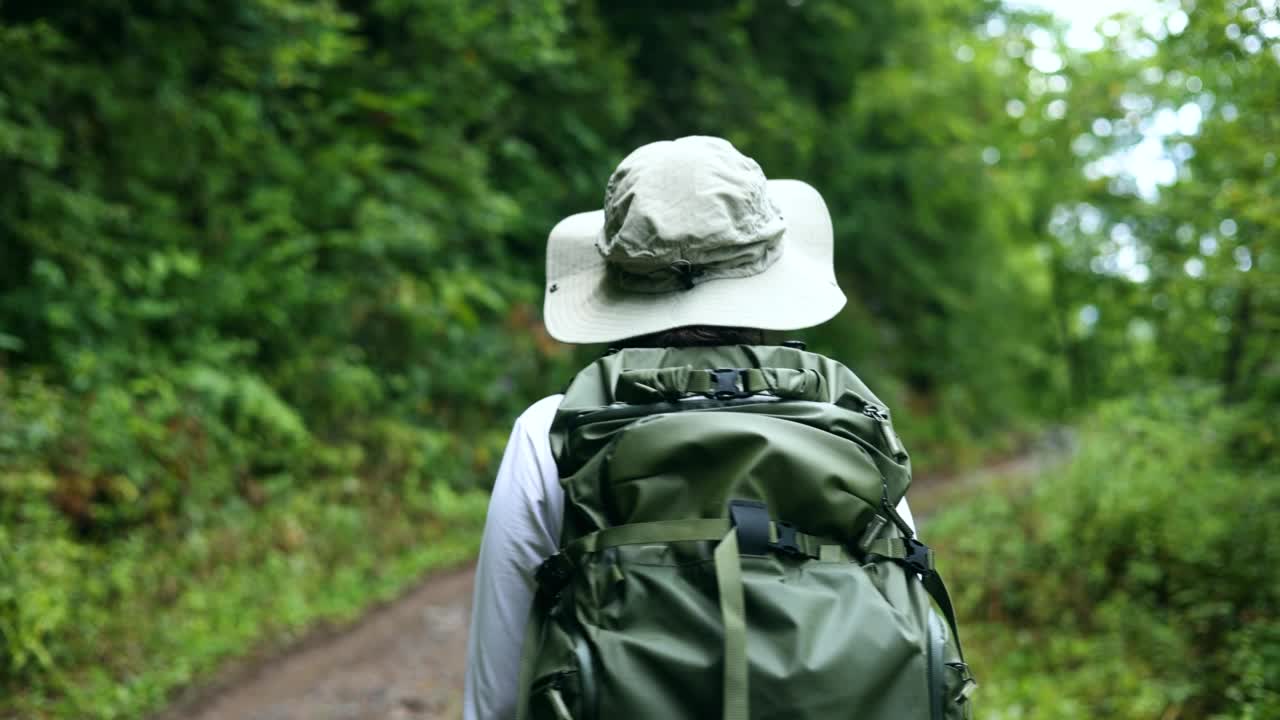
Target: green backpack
{"x": 730, "y": 549}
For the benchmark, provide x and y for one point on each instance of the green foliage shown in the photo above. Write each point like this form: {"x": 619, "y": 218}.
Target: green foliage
{"x": 273, "y": 266}
{"x": 256, "y": 317}
{"x": 107, "y": 630}
{"x": 933, "y": 250}
{"x": 1195, "y": 265}
{"x": 1137, "y": 582}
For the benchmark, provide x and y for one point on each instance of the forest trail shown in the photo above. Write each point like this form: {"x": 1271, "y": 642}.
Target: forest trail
{"x": 402, "y": 661}
{"x": 405, "y": 660}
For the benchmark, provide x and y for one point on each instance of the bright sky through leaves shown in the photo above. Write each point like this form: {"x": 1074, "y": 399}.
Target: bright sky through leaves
{"x": 1148, "y": 162}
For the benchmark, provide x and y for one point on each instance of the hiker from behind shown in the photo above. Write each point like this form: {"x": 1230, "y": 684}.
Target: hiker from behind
{"x": 704, "y": 524}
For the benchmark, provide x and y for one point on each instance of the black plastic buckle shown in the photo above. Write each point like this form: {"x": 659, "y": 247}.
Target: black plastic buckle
{"x": 727, "y": 384}
{"x": 787, "y": 543}
{"x": 918, "y": 556}
{"x": 551, "y": 576}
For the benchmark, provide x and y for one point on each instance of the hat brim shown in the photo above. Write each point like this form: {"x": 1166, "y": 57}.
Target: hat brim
{"x": 798, "y": 291}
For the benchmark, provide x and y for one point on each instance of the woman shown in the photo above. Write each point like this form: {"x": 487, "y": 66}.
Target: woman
{"x": 693, "y": 247}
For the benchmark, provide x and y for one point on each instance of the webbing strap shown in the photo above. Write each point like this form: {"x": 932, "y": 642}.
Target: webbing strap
{"x": 733, "y": 614}
{"x": 790, "y": 383}
{"x": 896, "y": 548}
{"x": 932, "y": 582}
{"x": 670, "y": 383}
{"x": 687, "y": 530}
{"x": 753, "y": 380}
{"x": 658, "y": 531}
{"x": 908, "y": 552}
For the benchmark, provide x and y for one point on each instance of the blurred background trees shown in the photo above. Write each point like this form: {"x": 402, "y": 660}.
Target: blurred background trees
{"x": 270, "y": 270}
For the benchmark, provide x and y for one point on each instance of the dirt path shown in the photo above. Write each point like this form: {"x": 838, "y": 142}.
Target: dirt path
{"x": 932, "y": 492}
{"x": 405, "y": 660}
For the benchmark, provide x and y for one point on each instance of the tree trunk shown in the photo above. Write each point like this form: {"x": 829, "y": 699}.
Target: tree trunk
{"x": 1233, "y": 357}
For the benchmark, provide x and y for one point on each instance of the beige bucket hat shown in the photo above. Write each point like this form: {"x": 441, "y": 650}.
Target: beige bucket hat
{"x": 691, "y": 234}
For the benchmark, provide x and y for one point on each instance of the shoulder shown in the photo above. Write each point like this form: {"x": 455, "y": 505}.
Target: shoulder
{"x": 535, "y": 421}
{"x": 529, "y": 472}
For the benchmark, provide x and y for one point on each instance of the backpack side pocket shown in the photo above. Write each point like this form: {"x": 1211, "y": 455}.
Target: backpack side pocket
{"x": 950, "y": 682}
{"x": 568, "y": 692}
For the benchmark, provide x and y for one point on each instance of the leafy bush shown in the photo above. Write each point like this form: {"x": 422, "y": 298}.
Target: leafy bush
{"x": 1140, "y": 580}
{"x": 108, "y": 628}
{"x": 256, "y": 320}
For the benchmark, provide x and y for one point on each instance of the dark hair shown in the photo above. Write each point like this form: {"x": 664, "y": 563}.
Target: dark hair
{"x": 696, "y": 336}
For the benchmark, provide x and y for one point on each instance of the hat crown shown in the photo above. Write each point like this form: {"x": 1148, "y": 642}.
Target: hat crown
{"x": 680, "y": 212}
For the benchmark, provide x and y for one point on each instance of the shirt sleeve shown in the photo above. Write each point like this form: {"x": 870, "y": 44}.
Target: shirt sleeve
{"x": 521, "y": 529}
{"x": 904, "y": 511}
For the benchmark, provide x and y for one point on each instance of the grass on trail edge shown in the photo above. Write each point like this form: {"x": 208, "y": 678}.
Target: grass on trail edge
{"x": 1113, "y": 586}
{"x": 157, "y": 615}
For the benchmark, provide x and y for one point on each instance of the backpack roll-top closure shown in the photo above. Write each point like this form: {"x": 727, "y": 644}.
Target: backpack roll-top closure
{"x": 661, "y": 434}
{"x": 680, "y": 383}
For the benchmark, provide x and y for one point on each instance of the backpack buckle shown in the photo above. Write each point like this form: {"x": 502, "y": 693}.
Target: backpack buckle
{"x": 727, "y": 384}
{"x": 918, "y": 557}
{"x": 787, "y": 542}
{"x": 551, "y": 577}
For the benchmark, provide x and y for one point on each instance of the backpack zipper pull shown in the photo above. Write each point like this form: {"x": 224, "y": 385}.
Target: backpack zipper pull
{"x": 887, "y": 434}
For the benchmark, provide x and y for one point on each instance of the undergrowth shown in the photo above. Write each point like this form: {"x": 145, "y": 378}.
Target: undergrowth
{"x": 139, "y": 555}
{"x": 110, "y": 631}
{"x": 1139, "y": 580}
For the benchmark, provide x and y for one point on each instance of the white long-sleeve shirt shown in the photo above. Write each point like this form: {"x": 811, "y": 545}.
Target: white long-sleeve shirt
{"x": 521, "y": 530}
